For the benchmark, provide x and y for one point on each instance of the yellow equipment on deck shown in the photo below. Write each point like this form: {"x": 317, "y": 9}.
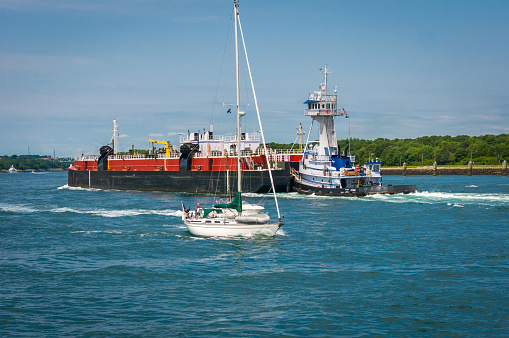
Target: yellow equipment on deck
{"x": 166, "y": 144}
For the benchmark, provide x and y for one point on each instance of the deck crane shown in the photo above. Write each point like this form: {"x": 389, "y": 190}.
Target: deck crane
{"x": 167, "y": 145}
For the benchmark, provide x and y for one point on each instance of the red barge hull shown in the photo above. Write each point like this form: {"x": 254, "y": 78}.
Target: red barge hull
{"x": 194, "y": 175}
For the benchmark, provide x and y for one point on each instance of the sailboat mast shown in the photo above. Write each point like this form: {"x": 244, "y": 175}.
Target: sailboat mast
{"x": 237, "y": 73}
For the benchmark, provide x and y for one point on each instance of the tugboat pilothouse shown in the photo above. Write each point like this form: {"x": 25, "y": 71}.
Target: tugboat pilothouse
{"x": 323, "y": 170}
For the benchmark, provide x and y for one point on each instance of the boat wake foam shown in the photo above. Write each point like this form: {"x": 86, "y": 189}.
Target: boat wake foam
{"x": 448, "y": 198}
{"x": 16, "y": 208}
{"x": 77, "y": 188}
{"x": 25, "y": 209}
{"x": 424, "y": 197}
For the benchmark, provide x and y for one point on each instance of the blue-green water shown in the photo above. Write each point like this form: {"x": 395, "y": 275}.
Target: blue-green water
{"x": 77, "y": 262}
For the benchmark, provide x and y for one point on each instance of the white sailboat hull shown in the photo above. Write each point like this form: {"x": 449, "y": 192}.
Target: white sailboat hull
{"x": 229, "y": 228}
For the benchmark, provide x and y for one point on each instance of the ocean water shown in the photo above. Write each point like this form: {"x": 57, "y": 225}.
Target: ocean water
{"x": 86, "y": 262}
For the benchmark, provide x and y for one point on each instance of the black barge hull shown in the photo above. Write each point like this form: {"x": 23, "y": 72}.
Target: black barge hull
{"x": 354, "y": 192}
{"x": 254, "y": 181}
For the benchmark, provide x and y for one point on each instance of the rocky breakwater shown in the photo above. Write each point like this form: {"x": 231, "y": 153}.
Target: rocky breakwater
{"x": 438, "y": 170}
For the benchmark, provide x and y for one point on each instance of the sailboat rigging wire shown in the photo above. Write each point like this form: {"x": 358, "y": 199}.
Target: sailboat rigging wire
{"x": 259, "y": 119}
{"x": 220, "y": 72}
{"x": 229, "y": 41}
{"x": 349, "y": 137}
{"x": 307, "y": 140}
{"x": 294, "y": 142}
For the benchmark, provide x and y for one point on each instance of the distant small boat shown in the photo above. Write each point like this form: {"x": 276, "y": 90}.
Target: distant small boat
{"x": 12, "y": 170}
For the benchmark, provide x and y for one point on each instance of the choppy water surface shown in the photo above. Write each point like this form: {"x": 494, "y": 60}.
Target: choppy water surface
{"x": 80, "y": 262}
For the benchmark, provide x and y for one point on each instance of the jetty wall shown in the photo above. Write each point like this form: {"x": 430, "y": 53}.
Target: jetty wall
{"x": 428, "y": 170}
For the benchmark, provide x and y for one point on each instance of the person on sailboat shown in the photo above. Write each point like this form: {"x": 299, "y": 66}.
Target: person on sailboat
{"x": 198, "y": 210}
{"x": 185, "y": 211}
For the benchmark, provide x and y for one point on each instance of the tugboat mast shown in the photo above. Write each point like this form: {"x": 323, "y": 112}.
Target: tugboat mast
{"x": 324, "y": 85}
{"x": 115, "y": 133}
{"x": 322, "y": 107}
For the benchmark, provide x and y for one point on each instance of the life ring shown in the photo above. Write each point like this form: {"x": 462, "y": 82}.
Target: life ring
{"x": 324, "y": 173}
{"x": 328, "y": 111}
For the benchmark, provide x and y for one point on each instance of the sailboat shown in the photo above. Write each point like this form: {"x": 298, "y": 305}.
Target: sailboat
{"x": 229, "y": 219}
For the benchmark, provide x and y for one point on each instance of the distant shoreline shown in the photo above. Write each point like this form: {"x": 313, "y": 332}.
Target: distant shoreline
{"x": 445, "y": 170}
{"x": 37, "y": 171}
{"x": 424, "y": 170}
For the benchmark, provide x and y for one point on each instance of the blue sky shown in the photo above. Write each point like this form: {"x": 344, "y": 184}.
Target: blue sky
{"x": 404, "y": 69}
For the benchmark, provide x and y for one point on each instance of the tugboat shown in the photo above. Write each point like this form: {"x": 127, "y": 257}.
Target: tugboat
{"x": 323, "y": 170}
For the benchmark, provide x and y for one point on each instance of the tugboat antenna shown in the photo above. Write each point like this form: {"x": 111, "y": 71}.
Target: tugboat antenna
{"x": 325, "y": 71}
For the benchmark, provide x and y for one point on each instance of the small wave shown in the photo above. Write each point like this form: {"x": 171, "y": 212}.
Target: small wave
{"x": 177, "y": 213}
{"x": 62, "y": 210}
{"x": 399, "y": 198}
{"x": 471, "y": 186}
{"x": 77, "y": 188}
{"x": 178, "y": 226}
{"x": 115, "y": 213}
{"x": 297, "y": 196}
{"x": 281, "y": 232}
{"x": 17, "y": 208}
{"x": 128, "y": 212}
{"x": 89, "y": 232}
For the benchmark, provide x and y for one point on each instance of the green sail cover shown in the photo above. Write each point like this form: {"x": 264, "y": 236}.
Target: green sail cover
{"x": 235, "y": 204}
{"x": 207, "y": 211}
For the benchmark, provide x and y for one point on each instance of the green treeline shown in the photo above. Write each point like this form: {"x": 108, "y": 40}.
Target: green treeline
{"x": 31, "y": 162}
{"x": 447, "y": 150}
